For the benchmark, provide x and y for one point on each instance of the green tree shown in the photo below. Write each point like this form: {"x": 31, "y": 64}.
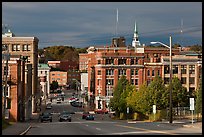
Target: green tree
{"x": 119, "y": 88}
{"x": 179, "y": 93}
{"x": 123, "y": 101}
{"x": 156, "y": 89}
{"x": 198, "y": 107}
{"x": 54, "y": 85}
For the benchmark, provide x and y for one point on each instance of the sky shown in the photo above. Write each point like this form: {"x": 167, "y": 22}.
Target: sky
{"x": 83, "y": 24}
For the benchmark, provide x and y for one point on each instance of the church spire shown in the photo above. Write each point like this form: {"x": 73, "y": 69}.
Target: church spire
{"x": 136, "y": 42}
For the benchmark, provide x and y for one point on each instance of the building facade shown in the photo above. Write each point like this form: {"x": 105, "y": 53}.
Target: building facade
{"x": 44, "y": 75}
{"x": 28, "y": 48}
{"x": 139, "y": 63}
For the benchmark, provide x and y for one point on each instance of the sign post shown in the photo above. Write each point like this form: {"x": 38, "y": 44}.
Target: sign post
{"x": 127, "y": 112}
{"x": 192, "y": 107}
{"x": 154, "y": 110}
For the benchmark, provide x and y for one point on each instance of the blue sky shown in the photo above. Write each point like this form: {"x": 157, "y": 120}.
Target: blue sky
{"x": 81, "y": 24}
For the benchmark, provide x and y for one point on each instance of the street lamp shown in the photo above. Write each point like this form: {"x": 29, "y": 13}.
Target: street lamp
{"x": 170, "y": 80}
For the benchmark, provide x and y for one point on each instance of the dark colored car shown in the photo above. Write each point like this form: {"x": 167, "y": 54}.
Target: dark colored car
{"x": 90, "y": 117}
{"x": 76, "y": 104}
{"x": 65, "y": 116}
{"x": 46, "y": 117}
{"x": 84, "y": 115}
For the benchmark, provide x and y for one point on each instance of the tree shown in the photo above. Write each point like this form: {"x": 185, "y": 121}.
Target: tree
{"x": 198, "y": 107}
{"x": 179, "y": 93}
{"x": 119, "y": 88}
{"x": 54, "y": 85}
{"x": 156, "y": 89}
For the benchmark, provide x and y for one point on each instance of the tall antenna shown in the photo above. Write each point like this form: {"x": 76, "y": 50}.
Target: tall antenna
{"x": 116, "y": 30}
{"x": 181, "y": 32}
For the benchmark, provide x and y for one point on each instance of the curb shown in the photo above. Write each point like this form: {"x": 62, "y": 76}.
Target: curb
{"x": 24, "y": 132}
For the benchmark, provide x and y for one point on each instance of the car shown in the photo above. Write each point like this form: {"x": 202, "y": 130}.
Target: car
{"x": 101, "y": 111}
{"x": 48, "y": 106}
{"x": 76, "y": 104}
{"x": 90, "y": 117}
{"x": 85, "y": 114}
{"x": 65, "y": 116}
{"x": 59, "y": 100}
{"x": 73, "y": 99}
{"x": 46, "y": 117}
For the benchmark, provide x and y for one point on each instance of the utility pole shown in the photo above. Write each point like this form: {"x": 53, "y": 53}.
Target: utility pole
{"x": 6, "y": 56}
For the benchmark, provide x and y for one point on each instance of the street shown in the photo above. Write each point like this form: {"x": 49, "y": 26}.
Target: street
{"x": 101, "y": 126}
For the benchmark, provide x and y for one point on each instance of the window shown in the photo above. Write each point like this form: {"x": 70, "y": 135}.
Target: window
{"x": 192, "y": 69}
{"x": 41, "y": 72}
{"x": 99, "y": 61}
{"x": 132, "y": 81}
{"x": 158, "y": 72}
{"x": 136, "y": 81}
{"x": 136, "y": 72}
{"x": 29, "y": 48}
{"x": 99, "y": 72}
{"x": 53, "y": 74}
{"x": 148, "y": 72}
{"x": 166, "y": 69}
{"x": 136, "y": 61}
{"x": 24, "y": 47}
{"x": 109, "y": 72}
{"x": 121, "y": 61}
{"x": 152, "y": 72}
{"x": 183, "y": 69}
{"x": 191, "y": 80}
{"x": 132, "y": 71}
{"x": 122, "y": 71}
{"x": 132, "y": 62}
{"x": 183, "y": 80}
{"x": 58, "y": 74}
{"x": 109, "y": 61}
{"x": 175, "y": 69}
{"x": 53, "y": 79}
{"x": 13, "y": 47}
{"x": 109, "y": 81}
{"x": 18, "y": 47}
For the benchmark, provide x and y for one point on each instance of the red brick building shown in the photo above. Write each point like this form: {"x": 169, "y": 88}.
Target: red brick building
{"x": 139, "y": 63}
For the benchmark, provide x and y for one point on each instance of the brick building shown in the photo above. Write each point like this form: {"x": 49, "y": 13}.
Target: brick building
{"x": 139, "y": 63}
{"x": 28, "y": 48}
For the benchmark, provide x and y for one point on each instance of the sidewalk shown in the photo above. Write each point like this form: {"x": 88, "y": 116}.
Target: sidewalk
{"x": 20, "y": 128}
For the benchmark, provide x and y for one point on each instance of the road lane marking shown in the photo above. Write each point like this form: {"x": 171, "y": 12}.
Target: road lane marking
{"x": 153, "y": 131}
{"x": 98, "y": 129}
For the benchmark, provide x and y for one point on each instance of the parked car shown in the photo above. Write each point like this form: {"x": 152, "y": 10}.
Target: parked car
{"x": 59, "y": 100}
{"x": 85, "y": 114}
{"x": 90, "y": 117}
{"x": 46, "y": 117}
{"x": 76, "y": 104}
{"x": 65, "y": 116}
{"x": 101, "y": 111}
{"x": 73, "y": 99}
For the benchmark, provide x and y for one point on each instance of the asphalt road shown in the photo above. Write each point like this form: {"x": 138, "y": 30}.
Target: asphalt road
{"x": 102, "y": 125}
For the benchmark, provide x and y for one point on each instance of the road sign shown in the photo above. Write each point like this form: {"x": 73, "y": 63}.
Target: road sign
{"x": 191, "y": 103}
{"x": 154, "y": 109}
{"x": 127, "y": 110}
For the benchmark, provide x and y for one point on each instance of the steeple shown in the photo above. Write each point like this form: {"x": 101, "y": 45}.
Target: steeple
{"x": 136, "y": 42}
